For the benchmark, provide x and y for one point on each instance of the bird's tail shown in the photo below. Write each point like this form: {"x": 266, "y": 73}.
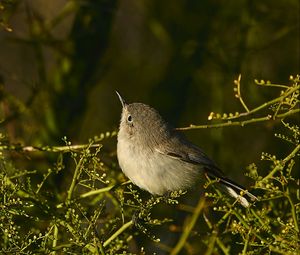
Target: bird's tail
{"x": 236, "y": 191}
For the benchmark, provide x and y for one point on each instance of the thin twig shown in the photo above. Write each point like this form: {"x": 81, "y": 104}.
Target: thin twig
{"x": 244, "y": 252}
{"x": 189, "y": 227}
{"x": 18, "y": 147}
{"x": 55, "y": 238}
{"x": 96, "y": 192}
{"x": 239, "y": 95}
{"x": 74, "y": 179}
{"x": 241, "y": 123}
{"x": 248, "y": 112}
{"x": 286, "y": 159}
{"x": 273, "y": 101}
{"x": 118, "y": 232}
{"x": 294, "y": 214}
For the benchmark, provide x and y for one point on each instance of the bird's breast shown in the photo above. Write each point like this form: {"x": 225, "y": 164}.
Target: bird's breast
{"x": 152, "y": 171}
{"x": 136, "y": 163}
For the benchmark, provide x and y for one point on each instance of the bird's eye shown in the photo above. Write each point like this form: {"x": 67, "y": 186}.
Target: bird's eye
{"x": 129, "y": 118}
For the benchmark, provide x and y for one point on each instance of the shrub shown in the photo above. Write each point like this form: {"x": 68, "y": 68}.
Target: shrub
{"x": 99, "y": 212}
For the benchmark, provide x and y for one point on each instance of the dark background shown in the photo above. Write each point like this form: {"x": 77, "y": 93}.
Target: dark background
{"x": 64, "y": 60}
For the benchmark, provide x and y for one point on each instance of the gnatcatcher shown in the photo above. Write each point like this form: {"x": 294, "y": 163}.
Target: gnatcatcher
{"x": 157, "y": 158}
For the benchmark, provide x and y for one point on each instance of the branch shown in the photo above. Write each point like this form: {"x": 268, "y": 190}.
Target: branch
{"x": 117, "y": 233}
{"x": 280, "y": 166}
{"x": 242, "y": 123}
{"x": 288, "y": 99}
{"x": 189, "y": 227}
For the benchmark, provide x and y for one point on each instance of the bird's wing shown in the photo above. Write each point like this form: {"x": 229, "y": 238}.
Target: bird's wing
{"x": 185, "y": 151}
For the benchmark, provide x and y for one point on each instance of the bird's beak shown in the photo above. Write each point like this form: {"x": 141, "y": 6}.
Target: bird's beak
{"x": 121, "y": 100}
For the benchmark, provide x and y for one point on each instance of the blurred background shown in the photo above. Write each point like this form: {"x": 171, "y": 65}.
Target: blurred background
{"x": 61, "y": 62}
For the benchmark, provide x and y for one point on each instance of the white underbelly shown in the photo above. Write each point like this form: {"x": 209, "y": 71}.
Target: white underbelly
{"x": 155, "y": 172}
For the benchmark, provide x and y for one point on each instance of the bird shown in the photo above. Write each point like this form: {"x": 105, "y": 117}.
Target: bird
{"x": 159, "y": 159}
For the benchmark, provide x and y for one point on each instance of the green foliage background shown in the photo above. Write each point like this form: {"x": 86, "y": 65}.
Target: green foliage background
{"x": 61, "y": 190}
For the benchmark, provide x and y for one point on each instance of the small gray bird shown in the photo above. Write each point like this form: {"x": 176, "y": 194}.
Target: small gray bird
{"x": 158, "y": 159}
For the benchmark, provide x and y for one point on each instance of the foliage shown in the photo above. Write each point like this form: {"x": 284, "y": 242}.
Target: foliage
{"x": 7, "y": 8}
{"x": 98, "y": 212}
{"x": 60, "y": 64}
